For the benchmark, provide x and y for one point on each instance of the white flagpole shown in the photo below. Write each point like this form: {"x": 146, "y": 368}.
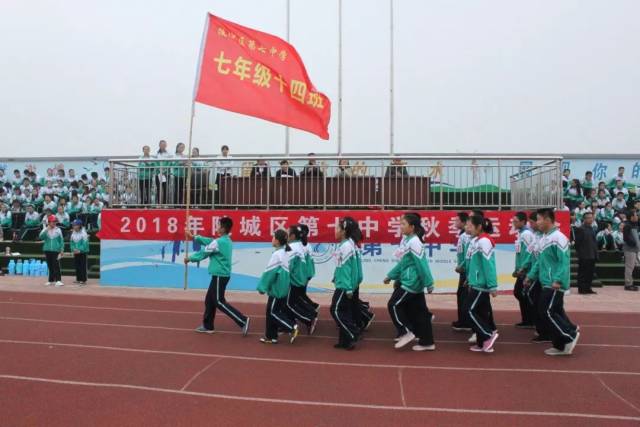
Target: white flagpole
{"x": 391, "y": 94}
{"x": 339, "y": 77}
{"x": 187, "y": 189}
{"x": 287, "y": 131}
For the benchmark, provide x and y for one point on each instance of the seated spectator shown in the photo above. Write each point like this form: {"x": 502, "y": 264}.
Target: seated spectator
{"x": 619, "y": 204}
{"x": 16, "y": 207}
{"x": 605, "y": 238}
{"x": 75, "y": 207}
{"x": 26, "y": 185}
{"x": 579, "y": 211}
{"x": 573, "y": 194}
{"x": 311, "y": 169}
{"x": 606, "y": 214}
{"x": 17, "y": 178}
{"x": 565, "y": 178}
{"x": 62, "y": 218}
{"x": 285, "y": 171}
{"x": 589, "y": 196}
{"x": 613, "y": 182}
{"x": 602, "y": 198}
{"x": 587, "y": 183}
{"x": 396, "y": 169}
{"x": 6, "y": 221}
{"x": 618, "y": 238}
{"x": 129, "y": 197}
{"x": 95, "y": 207}
{"x": 620, "y": 188}
{"x": 18, "y": 197}
{"x": 593, "y": 208}
{"x": 49, "y": 203}
{"x": 261, "y": 169}
{"x": 344, "y": 169}
{"x": 32, "y": 223}
{"x": 618, "y": 220}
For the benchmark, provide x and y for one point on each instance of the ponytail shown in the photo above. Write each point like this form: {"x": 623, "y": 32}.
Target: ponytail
{"x": 351, "y": 229}
{"x": 414, "y": 219}
{"x": 304, "y": 236}
{"x": 487, "y": 226}
{"x": 281, "y": 236}
{"x": 296, "y": 231}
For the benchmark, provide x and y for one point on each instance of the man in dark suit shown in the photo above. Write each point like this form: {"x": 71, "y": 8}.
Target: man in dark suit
{"x": 587, "y": 251}
{"x": 260, "y": 169}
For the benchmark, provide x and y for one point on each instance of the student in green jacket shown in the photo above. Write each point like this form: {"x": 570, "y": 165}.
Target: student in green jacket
{"x": 219, "y": 253}
{"x": 408, "y": 305}
{"x": 533, "y": 289}
{"x": 79, "y": 243}
{"x": 524, "y": 240}
{"x": 460, "y": 324}
{"x": 32, "y": 222}
{"x": 309, "y": 264}
{"x": 299, "y": 273}
{"x": 482, "y": 282}
{"x": 345, "y": 279}
{"x": 275, "y": 283}
{"x": 363, "y": 316}
{"x": 53, "y": 247}
{"x": 553, "y": 271}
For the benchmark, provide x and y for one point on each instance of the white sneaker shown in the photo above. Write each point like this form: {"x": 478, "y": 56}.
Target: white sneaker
{"x": 419, "y": 347}
{"x": 59, "y": 283}
{"x": 568, "y": 348}
{"x": 48, "y": 284}
{"x": 554, "y": 352}
{"x": 473, "y": 339}
{"x": 404, "y": 340}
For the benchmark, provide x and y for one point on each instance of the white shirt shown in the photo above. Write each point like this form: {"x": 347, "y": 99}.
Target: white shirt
{"x": 224, "y": 165}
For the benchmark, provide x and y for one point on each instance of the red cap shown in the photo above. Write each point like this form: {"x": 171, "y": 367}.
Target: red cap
{"x": 52, "y": 218}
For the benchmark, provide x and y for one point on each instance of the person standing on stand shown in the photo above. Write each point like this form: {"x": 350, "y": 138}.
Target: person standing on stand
{"x": 630, "y": 248}
{"x": 587, "y": 251}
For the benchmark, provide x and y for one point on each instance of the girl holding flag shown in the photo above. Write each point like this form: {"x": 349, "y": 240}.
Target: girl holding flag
{"x": 275, "y": 283}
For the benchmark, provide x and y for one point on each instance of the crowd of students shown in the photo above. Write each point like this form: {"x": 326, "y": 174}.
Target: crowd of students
{"x": 27, "y": 200}
{"x": 541, "y": 272}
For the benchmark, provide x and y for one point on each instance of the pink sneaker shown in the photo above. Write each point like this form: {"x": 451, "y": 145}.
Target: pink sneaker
{"x": 487, "y": 346}
{"x": 475, "y": 348}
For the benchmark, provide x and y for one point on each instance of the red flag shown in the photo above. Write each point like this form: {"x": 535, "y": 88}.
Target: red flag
{"x": 260, "y": 75}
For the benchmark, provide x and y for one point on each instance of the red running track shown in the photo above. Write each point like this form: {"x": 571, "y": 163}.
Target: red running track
{"x": 90, "y": 360}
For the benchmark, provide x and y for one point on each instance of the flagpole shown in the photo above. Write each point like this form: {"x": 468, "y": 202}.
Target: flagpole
{"x": 391, "y": 94}
{"x": 187, "y": 189}
{"x": 339, "y": 77}
{"x": 287, "y": 131}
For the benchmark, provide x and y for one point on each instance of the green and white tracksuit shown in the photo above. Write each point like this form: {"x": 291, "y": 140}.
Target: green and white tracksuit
{"x": 275, "y": 282}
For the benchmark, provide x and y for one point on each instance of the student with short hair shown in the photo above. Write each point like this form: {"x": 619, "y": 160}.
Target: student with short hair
{"x": 53, "y": 247}
{"x": 553, "y": 272}
{"x": 79, "y": 244}
{"x": 219, "y": 252}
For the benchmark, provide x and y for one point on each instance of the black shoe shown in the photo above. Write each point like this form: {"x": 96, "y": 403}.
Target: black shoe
{"x": 339, "y": 345}
{"x": 524, "y": 325}
{"x": 630, "y": 288}
{"x": 460, "y": 327}
{"x": 539, "y": 340}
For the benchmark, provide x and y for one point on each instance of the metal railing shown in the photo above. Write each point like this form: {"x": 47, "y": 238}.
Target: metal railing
{"x": 324, "y": 182}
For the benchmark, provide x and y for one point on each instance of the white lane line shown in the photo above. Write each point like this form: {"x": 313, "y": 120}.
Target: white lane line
{"x": 171, "y": 328}
{"x": 402, "y": 398}
{"x": 612, "y": 391}
{"x": 323, "y": 404}
{"x": 257, "y": 315}
{"x": 200, "y": 372}
{"x": 317, "y": 362}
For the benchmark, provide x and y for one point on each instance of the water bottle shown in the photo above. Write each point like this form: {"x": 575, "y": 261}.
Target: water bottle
{"x": 12, "y": 267}
{"x": 19, "y": 267}
{"x": 25, "y": 267}
{"x": 36, "y": 271}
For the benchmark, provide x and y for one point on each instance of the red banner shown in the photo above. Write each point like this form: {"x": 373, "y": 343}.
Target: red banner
{"x": 258, "y": 226}
{"x": 258, "y": 74}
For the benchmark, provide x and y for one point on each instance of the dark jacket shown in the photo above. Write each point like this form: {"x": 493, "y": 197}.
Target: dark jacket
{"x": 260, "y": 171}
{"x": 586, "y": 245}
{"x": 630, "y": 237}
